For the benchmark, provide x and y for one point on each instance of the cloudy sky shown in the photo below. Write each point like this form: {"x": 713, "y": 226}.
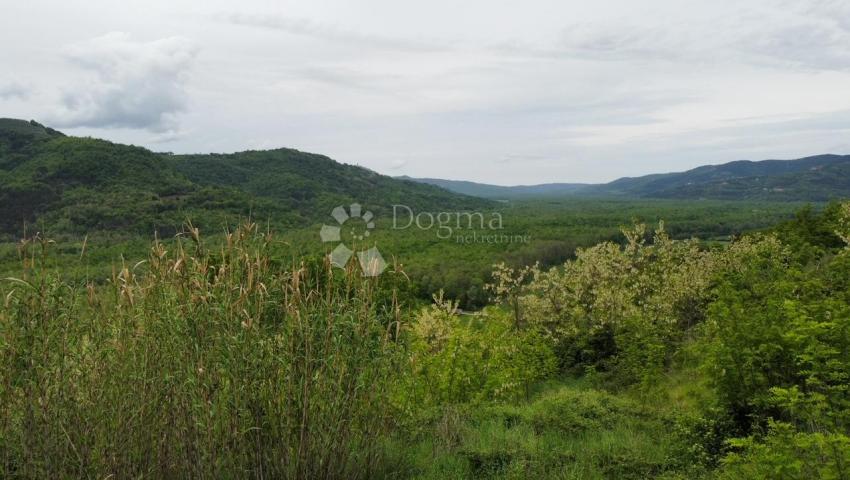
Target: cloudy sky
{"x": 503, "y": 92}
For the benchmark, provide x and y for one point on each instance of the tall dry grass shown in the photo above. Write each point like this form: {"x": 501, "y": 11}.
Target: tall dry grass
{"x": 202, "y": 362}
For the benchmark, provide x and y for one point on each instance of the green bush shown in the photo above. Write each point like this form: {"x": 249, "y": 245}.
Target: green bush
{"x": 786, "y": 454}
{"x": 575, "y": 411}
{"x": 472, "y": 358}
{"x": 780, "y": 341}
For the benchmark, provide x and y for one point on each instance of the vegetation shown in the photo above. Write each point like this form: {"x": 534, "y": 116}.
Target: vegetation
{"x": 312, "y": 184}
{"x": 195, "y": 363}
{"x": 588, "y": 351}
{"x": 82, "y": 186}
{"x": 656, "y": 357}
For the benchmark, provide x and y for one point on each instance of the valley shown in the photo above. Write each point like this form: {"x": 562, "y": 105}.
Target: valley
{"x": 182, "y": 315}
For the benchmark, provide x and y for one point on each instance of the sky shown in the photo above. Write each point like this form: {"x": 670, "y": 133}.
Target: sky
{"x": 494, "y": 91}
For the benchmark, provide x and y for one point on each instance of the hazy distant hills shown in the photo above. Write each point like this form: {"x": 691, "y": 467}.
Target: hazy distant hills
{"x": 70, "y": 184}
{"x": 816, "y": 178}
{"x": 502, "y": 192}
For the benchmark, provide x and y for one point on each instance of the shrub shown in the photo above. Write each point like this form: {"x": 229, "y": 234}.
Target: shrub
{"x": 789, "y": 455}
{"x": 471, "y": 358}
{"x": 618, "y": 309}
{"x": 780, "y": 341}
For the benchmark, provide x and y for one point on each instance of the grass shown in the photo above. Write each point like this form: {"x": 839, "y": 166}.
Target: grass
{"x": 569, "y": 430}
{"x": 197, "y": 362}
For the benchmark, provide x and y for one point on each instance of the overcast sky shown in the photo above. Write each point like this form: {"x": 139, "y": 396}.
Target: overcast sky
{"x": 502, "y": 92}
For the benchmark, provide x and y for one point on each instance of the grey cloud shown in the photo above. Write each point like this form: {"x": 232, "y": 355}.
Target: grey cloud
{"x": 622, "y": 42}
{"x": 813, "y": 37}
{"x": 832, "y": 11}
{"x": 609, "y": 42}
{"x": 137, "y": 85}
{"x": 14, "y": 90}
{"x": 812, "y": 44}
{"x": 764, "y": 137}
{"x": 345, "y": 77}
{"x": 636, "y": 108}
{"x": 307, "y": 27}
{"x": 478, "y": 90}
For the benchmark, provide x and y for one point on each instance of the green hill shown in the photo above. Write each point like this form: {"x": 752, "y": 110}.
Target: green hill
{"x": 81, "y": 185}
{"x": 314, "y": 184}
{"x": 817, "y": 178}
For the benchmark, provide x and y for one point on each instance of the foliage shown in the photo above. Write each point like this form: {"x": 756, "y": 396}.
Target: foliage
{"x": 471, "y": 358}
{"x": 770, "y": 323}
{"x": 507, "y": 288}
{"x": 786, "y": 454}
{"x": 628, "y": 305}
{"x": 199, "y": 362}
{"x": 780, "y": 340}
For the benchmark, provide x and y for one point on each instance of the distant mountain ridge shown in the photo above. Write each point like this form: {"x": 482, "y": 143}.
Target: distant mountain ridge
{"x": 502, "y": 192}
{"x": 815, "y": 178}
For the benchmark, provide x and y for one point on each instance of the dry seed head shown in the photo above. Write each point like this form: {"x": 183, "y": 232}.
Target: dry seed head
{"x": 90, "y": 293}
{"x": 8, "y": 300}
{"x": 83, "y": 250}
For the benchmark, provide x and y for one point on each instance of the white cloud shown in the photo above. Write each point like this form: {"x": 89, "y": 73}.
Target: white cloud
{"x": 130, "y": 84}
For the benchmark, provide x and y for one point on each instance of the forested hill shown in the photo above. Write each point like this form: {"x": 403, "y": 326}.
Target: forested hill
{"x": 314, "y": 184}
{"x": 82, "y": 185}
{"x": 816, "y": 178}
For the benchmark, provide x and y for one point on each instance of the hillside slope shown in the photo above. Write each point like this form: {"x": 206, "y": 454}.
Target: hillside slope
{"x": 80, "y": 185}
{"x": 816, "y": 178}
{"x": 313, "y": 184}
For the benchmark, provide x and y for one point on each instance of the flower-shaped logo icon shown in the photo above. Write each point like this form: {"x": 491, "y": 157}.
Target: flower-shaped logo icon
{"x": 371, "y": 261}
